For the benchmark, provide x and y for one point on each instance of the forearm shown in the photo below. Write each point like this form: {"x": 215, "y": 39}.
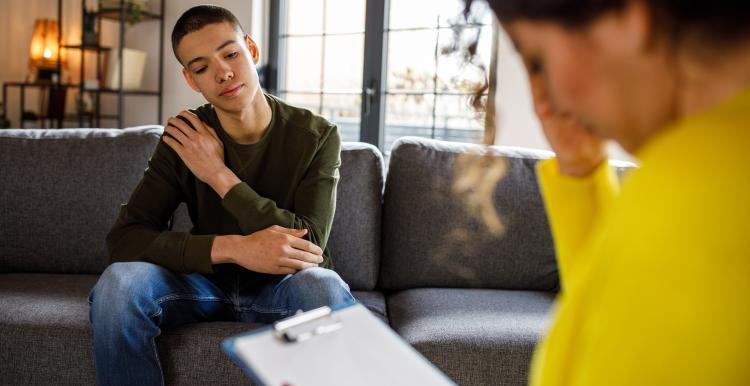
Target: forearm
{"x": 223, "y": 249}
{"x": 179, "y": 251}
{"x": 223, "y": 181}
{"x": 575, "y": 207}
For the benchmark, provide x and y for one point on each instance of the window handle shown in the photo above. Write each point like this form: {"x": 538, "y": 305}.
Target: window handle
{"x": 369, "y": 97}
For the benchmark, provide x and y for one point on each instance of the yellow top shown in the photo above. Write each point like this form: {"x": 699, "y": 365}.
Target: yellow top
{"x": 655, "y": 275}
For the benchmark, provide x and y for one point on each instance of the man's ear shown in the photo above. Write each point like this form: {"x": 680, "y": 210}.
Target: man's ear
{"x": 254, "y": 51}
{"x": 189, "y": 80}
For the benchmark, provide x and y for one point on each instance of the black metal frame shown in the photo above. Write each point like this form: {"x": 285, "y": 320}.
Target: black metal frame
{"x": 372, "y": 128}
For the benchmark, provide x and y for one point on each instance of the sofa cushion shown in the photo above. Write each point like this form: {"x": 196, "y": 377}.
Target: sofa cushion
{"x": 45, "y": 335}
{"x": 354, "y": 242}
{"x": 44, "y": 329}
{"x": 61, "y": 192}
{"x": 355, "y": 235}
{"x": 476, "y": 336}
{"x": 422, "y": 218}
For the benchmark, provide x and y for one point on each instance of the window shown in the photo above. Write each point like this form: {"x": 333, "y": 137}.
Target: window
{"x": 379, "y": 68}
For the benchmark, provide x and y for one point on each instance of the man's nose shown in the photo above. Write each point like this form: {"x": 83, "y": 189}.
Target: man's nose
{"x": 224, "y": 74}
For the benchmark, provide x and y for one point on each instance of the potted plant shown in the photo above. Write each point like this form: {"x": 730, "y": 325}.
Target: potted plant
{"x": 133, "y": 9}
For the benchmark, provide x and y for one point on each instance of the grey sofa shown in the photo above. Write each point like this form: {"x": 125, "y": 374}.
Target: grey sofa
{"x": 475, "y": 306}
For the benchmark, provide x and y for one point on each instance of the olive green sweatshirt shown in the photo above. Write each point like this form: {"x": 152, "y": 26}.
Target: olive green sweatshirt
{"x": 289, "y": 178}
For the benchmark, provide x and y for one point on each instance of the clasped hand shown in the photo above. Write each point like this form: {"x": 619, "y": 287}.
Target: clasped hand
{"x": 275, "y": 250}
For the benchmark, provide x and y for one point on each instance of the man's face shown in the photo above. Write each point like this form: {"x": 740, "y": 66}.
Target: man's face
{"x": 219, "y": 62}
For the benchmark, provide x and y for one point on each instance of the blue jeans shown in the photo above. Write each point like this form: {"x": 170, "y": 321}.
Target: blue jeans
{"x": 132, "y": 302}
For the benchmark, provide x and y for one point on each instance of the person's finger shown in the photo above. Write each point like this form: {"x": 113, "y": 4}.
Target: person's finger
{"x": 212, "y": 131}
{"x": 199, "y": 124}
{"x": 305, "y": 245}
{"x": 541, "y": 104}
{"x": 194, "y": 120}
{"x": 174, "y": 144}
{"x": 290, "y": 231}
{"x": 176, "y": 134}
{"x": 304, "y": 256}
{"x": 285, "y": 271}
{"x": 296, "y": 264}
{"x": 180, "y": 125}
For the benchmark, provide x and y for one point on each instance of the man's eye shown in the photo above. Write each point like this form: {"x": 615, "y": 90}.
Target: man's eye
{"x": 200, "y": 70}
{"x": 233, "y": 54}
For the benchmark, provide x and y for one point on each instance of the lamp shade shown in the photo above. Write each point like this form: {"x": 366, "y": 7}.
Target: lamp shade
{"x": 45, "y": 47}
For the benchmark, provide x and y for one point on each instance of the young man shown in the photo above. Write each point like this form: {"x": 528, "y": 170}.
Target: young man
{"x": 259, "y": 179}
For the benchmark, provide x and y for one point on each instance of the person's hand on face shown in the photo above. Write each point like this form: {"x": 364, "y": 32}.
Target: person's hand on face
{"x": 200, "y": 148}
{"x": 579, "y": 152}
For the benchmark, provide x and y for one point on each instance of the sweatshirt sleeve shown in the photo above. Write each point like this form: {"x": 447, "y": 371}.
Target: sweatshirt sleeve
{"x": 314, "y": 199}
{"x": 575, "y": 207}
{"x": 140, "y": 231}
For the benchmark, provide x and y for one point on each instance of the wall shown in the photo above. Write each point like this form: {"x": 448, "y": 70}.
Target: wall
{"x": 16, "y": 24}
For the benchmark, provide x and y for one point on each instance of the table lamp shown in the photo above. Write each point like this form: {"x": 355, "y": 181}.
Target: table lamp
{"x": 45, "y": 48}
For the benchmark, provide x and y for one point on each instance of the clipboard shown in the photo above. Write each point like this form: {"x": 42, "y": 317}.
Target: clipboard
{"x": 325, "y": 347}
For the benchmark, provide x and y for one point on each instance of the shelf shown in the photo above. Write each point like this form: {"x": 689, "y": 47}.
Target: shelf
{"x": 39, "y": 84}
{"x": 87, "y": 48}
{"x": 73, "y": 85}
{"x": 124, "y": 92}
{"x": 114, "y": 14}
{"x": 111, "y": 10}
{"x": 89, "y": 115}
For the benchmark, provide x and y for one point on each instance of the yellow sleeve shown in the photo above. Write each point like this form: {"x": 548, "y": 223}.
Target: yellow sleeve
{"x": 575, "y": 207}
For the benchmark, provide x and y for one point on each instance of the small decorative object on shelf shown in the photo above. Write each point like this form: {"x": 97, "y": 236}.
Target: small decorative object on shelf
{"x": 132, "y": 70}
{"x": 134, "y": 9}
{"x": 89, "y": 36}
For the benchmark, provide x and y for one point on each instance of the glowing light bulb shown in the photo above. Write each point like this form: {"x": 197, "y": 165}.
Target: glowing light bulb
{"x": 47, "y": 53}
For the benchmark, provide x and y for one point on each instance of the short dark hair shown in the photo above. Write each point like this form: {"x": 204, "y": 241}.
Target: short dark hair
{"x": 198, "y": 17}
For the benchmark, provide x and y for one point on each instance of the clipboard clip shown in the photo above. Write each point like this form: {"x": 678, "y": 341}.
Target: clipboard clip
{"x": 306, "y": 325}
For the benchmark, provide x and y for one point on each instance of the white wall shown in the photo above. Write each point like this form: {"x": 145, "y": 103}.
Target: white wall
{"x": 16, "y": 24}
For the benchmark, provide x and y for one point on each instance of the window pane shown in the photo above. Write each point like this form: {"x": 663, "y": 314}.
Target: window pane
{"x": 344, "y": 111}
{"x": 343, "y": 63}
{"x": 303, "y": 57}
{"x": 305, "y": 101}
{"x": 407, "y": 115}
{"x": 453, "y": 72}
{"x": 426, "y": 13}
{"x": 411, "y": 60}
{"x": 456, "y": 120}
{"x": 344, "y": 16}
{"x": 304, "y": 17}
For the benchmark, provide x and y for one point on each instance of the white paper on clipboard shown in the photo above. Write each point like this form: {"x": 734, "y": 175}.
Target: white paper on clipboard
{"x": 349, "y": 346}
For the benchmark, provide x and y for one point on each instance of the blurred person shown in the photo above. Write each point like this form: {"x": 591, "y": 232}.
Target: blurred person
{"x": 655, "y": 273}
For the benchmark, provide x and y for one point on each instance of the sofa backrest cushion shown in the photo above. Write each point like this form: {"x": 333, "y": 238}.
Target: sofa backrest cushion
{"x": 431, "y": 240}
{"x": 354, "y": 242}
{"x": 61, "y": 191}
{"x": 355, "y": 236}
